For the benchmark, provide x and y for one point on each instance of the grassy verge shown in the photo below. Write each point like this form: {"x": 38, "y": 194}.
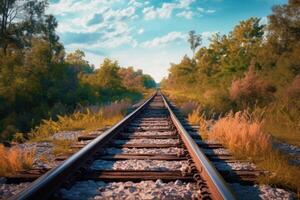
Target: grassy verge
{"x": 248, "y": 136}
{"x": 63, "y": 147}
{"x": 243, "y": 134}
{"x": 281, "y": 118}
{"x": 88, "y": 120}
{"x": 14, "y": 159}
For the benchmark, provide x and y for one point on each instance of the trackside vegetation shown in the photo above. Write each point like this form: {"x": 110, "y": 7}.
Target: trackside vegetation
{"x": 244, "y": 88}
{"x": 39, "y": 80}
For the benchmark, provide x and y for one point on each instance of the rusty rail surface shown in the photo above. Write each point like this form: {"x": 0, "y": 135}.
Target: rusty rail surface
{"x": 47, "y": 184}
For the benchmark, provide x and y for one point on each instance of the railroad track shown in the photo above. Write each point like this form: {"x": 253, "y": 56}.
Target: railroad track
{"x": 149, "y": 146}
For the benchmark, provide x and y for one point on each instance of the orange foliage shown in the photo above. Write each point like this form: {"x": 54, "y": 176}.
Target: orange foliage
{"x": 294, "y": 88}
{"x": 14, "y": 159}
{"x": 242, "y": 134}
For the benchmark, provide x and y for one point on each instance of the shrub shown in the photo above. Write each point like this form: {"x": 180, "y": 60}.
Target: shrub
{"x": 14, "y": 159}
{"x": 88, "y": 120}
{"x": 188, "y": 107}
{"x": 251, "y": 89}
{"x": 19, "y": 138}
{"x": 293, "y": 91}
{"x": 199, "y": 118}
{"x": 63, "y": 147}
{"x": 242, "y": 134}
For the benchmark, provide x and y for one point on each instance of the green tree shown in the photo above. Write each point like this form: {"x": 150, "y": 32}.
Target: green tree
{"x": 195, "y": 41}
{"x": 20, "y": 22}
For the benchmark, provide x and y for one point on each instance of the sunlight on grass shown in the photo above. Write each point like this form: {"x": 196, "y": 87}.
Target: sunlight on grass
{"x": 198, "y": 118}
{"x": 14, "y": 159}
{"x": 243, "y": 134}
{"x": 63, "y": 147}
{"x": 88, "y": 120}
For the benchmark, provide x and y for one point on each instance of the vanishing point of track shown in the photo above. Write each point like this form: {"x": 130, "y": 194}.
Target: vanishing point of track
{"x": 153, "y": 121}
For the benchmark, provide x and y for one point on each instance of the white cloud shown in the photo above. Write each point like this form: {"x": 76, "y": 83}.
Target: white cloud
{"x": 186, "y": 14}
{"x": 141, "y": 31}
{"x": 264, "y": 21}
{"x": 166, "y": 10}
{"x": 135, "y": 3}
{"x": 208, "y": 11}
{"x": 159, "y": 41}
{"x": 185, "y": 3}
{"x": 149, "y": 13}
{"x": 109, "y": 24}
{"x": 206, "y": 35}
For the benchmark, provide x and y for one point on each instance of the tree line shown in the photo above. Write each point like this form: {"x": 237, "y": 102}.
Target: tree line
{"x": 39, "y": 80}
{"x": 255, "y": 66}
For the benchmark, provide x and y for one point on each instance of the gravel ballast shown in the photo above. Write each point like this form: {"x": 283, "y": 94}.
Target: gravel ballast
{"x": 129, "y": 190}
{"x": 139, "y": 165}
{"x": 147, "y": 141}
{"x": 172, "y": 150}
{"x": 264, "y": 192}
{"x": 8, "y": 190}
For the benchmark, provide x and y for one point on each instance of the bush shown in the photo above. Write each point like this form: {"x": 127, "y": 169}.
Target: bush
{"x": 241, "y": 133}
{"x": 251, "y": 90}
{"x": 188, "y": 107}
{"x": 293, "y": 91}
{"x": 19, "y": 138}
{"x": 14, "y": 159}
{"x": 88, "y": 120}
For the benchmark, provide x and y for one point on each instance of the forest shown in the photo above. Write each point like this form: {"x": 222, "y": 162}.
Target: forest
{"x": 39, "y": 80}
{"x": 254, "y": 68}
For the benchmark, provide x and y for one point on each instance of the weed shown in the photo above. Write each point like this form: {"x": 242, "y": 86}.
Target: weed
{"x": 88, "y": 120}
{"x": 14, "y": 159}
{"x": 243, "y": 134}
{"x": 62, "y": 147}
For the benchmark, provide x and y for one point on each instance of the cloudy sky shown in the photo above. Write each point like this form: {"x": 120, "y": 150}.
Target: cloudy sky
{"x": 147, "y": 34}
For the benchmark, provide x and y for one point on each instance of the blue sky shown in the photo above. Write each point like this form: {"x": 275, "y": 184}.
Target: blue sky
{"x": 148, "y": 35}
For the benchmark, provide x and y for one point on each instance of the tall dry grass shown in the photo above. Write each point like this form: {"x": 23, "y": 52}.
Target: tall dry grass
{"x": 89, "y": 119}
{"x": 14, "y": 159}
{"x": 197, "y": 117}
{"x": 242, "y": 133}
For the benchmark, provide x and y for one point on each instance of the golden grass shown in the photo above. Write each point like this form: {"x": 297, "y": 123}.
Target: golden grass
{"x": 63, "y": 147}
{"x": 14, "y": 159}
{"x": 281, "y": 122}
{"x": 243, "y": 134}
{"x": 198, "y": 118}
{"x": 89, "y": 120}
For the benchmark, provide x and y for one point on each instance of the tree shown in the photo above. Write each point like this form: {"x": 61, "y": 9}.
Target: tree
{"x": 284, "y": 26}
{"x": 195, "y": 41}
{"x": 78, "y": 62}
{"x": 48, "y": 29}
{"x": 21, "y": 21}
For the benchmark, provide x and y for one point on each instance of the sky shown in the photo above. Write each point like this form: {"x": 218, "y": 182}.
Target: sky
{"x": 147, "y": 34}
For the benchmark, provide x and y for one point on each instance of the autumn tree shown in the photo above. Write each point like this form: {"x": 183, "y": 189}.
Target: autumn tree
{"x": 77, "y": 60}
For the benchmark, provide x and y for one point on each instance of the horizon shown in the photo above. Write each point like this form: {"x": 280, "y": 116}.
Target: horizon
{"x": 148, "y": 35}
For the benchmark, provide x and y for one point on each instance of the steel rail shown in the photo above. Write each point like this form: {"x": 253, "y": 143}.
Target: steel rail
{"x": 217, "y": 186}
{"x": 45, "y": 185}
